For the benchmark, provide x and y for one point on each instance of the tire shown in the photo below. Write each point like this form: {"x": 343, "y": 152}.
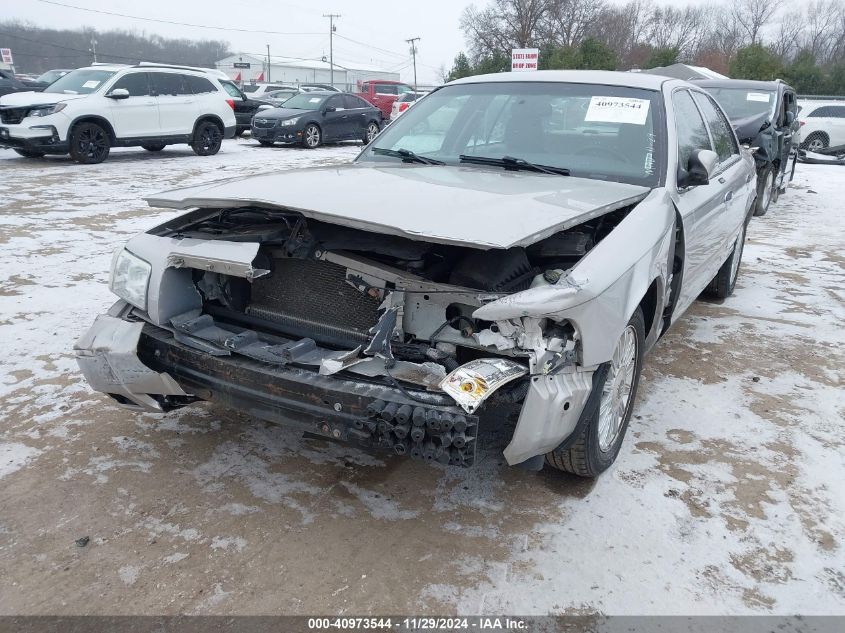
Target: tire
{"x": 815, "y": 141}
{"x": 208, "y": 138}
{"x": 266, "y": 143}
{"x": 765, "y": 190}
{"x": 312, "y": 136}
{"x": 89, "y": 143}
{"x": 370, "y": 132}
{"x": 601, "y": 436}
{"x": 30, "y": 153}
{"x": 724, "y": 282}
{"x": 153, "y": 147}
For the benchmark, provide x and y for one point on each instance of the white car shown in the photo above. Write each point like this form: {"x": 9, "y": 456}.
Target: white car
{"x": 258, "y": 91}
{"x": 404, "y": 102}
{"x": 90, "y": 110}
{"x": 822, "y": 124}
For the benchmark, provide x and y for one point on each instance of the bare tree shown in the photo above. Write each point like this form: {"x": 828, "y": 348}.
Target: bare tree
{"x": 819, "y": 35}
{"x": 753, "y": 15}
{"x": 567, "y": 22}
{"x": 786, "y": 39}
{"x": 503, "y": 25}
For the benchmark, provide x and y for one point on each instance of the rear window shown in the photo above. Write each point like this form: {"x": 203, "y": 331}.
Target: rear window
{"x": 250, "y": 88}
{"x": 198, "y": 85}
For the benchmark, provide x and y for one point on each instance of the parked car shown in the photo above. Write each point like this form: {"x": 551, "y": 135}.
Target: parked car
{"x": 259, "y": 90}
{"x": 764, "y": 115}
{"x": 382, "y": 93}
{"x": 91, "y": 110}
{"x": 404, "y": 102}
{"x": 51, "y": 75}
{"x": 314, "y": 118}
{"x": 531, "y": 268}
{"x": 822, "y": 124}
{"x": 246, "y": 107}
{"x": 9, "y": 84}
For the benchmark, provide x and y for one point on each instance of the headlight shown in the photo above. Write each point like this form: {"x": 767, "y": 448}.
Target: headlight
{"x": 288, "y": 122}
{"x": 129, "y": 278}
{"x": 47, "y": 110}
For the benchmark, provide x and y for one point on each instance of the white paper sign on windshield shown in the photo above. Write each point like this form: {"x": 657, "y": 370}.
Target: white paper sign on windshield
{"x": 91, "y": 84}
{"x": 617, "y": 110}
{"x": 757, "y": 96}
{"x": 314, "y": 100}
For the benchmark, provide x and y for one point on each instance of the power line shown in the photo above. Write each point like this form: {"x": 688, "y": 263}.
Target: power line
{"x": 196, "y": 26}
{"x": 375, "y": 48}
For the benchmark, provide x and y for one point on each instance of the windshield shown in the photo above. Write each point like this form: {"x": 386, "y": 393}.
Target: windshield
{"x": 51, "y": 75}
{"x": 250, "y": 87}
{"x": 740, "y": 103}
{"x": 305, "y": 101}
{"x": 600, "y": 132}
{"x": 80, "y": 82}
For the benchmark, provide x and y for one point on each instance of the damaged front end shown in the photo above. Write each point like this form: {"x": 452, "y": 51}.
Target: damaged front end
{"x": 382, "y": 340}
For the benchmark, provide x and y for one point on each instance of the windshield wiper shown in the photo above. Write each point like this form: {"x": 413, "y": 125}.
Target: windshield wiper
{"x": 509, "y": 162}
{"x": 407, "y": 156}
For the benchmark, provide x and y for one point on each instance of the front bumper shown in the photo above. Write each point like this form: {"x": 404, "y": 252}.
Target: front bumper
{"x": 144, "y": 367}
{"x": 43, "y": 138}
{"x": 289, "y": 134}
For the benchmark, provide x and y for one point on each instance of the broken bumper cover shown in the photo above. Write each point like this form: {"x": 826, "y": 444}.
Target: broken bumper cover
{"x": 139, "y": 363}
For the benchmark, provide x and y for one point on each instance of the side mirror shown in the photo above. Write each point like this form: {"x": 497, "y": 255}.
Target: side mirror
{"x": 264, "y": 107}
{"x": 790, "y": 117}
{"x": 329, "y": 109}
{"x": 118, "y": 93}
{"x": 700, "y": 168}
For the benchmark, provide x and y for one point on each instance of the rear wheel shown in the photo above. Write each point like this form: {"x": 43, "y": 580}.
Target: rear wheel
{"x": 607, "y": 413}
{"x": 724, "y": 282}
{"x": 208, "y": 137}
{"x": 765, "y": 190}
{"x": 311, "y": 137}
{"x": 815, "y": 142}
{"x": 89, "y": 144}
{"x": 30, "y": 153}
{"x": 370, "y": 132}
{"x": 153, "y": 147}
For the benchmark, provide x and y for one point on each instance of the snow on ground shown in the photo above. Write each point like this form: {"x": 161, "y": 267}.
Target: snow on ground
{"x": 728, "y": 496}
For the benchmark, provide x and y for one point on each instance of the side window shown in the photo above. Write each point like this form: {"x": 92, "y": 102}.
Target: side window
{"x": 351, "y": 103}
{"x": 137, "y": 84}
{"x": 167, "y": 84}
{"x": 336, "y": 102}
{"x": 231, "y": 89}
{"x": 197, "y": 85}
{"x": 837, "y": 112}
{"x": 386, "y": 89}
{"x": 365, "y": 87}
{"x": 689, "y": 126}
{"x": 723, "y": 136}
{"x": 820, "y": 112}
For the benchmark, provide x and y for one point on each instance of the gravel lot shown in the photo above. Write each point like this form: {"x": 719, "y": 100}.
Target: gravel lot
{"x": 728, "y": 497}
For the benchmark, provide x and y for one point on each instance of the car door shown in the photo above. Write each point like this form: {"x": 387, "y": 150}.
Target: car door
{"x": 176, "y": 105}
{"x": 335, "y": 121}
{"x": 702, "y": 207}
{"x": 358, "y": 111}
{"x": 737, "y": 180}
{"x": 137, "y": 115}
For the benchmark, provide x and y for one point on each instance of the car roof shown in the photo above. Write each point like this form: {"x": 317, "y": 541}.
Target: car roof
{"x": 604, "y": 77}
{"x": 741, "y": 83}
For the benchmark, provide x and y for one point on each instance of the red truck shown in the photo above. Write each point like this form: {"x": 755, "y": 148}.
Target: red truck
{"x": 382, "y": 93}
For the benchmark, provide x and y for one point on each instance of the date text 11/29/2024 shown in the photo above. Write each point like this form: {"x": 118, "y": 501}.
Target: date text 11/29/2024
{"x": 418, "y": 624}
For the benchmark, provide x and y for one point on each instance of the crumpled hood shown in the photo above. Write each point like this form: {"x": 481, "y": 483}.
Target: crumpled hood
{"x": 748, "y": 128}
{"x": 17, "y": 99}
{"x": 468, "y": 206}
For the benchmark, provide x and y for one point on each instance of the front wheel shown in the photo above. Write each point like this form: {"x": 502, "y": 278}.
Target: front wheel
{"x": 89, "y": 144}
{"x": 608, "y": 410}
{"x": 765, "y": 190}
{"x": 724, "y": 282}
{"x": 311, "y": 137}
{"x": 370, "y": 133}
{"x": 208, "y": 138}
{"x": 30, "y": 153}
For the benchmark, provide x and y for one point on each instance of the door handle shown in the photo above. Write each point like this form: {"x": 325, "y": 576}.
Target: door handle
{"x": 729, "y": 196}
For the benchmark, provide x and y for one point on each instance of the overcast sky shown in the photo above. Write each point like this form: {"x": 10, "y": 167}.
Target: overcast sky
{"x": 380, "y": 27}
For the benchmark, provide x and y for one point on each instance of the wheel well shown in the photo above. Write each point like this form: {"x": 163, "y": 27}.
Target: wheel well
{"x": 820, "y": 134}
{"x": 93, "y": 119}
{"x": 210, "y": 118}
{"x": 648, "y": 305}
{"x": 676, "y": 269}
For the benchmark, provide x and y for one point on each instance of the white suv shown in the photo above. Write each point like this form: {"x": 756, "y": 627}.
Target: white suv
{"x": 822, "y": 124}
{"x": 91, "y": 110}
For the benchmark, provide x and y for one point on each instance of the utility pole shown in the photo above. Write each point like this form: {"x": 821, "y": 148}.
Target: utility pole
{"x": 268, "y": 63}
{"x": 94, "y": 48}
{"x": 332, "y": 29}
{"x": 414, "y": 54}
